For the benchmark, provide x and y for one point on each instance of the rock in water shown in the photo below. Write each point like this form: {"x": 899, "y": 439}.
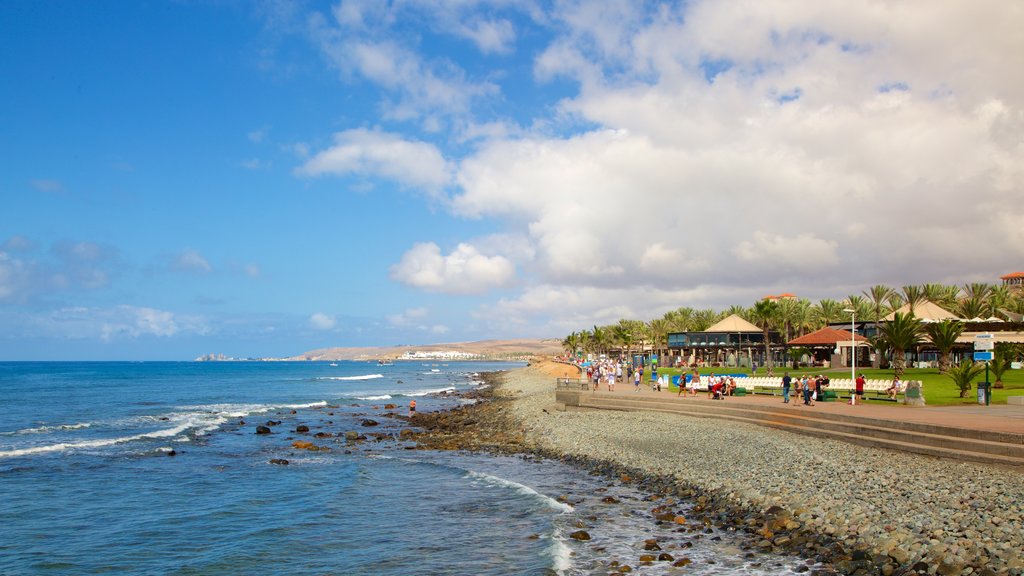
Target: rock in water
{"x": 262, "y": 430}
{"x": 302, "y": 428}
{"x": 368, "y": 422}
{"x": 279, "y": 461}
{"x": 581, "y": 535}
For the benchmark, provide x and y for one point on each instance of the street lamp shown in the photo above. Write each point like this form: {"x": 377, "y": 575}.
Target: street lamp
{"x": 853, "y": 354}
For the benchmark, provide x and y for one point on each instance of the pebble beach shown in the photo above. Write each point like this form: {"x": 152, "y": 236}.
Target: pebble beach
{"x": 887, "y": 512}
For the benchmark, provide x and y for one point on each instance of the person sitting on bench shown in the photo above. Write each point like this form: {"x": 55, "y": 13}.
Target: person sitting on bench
{"x": 894, "y": 388}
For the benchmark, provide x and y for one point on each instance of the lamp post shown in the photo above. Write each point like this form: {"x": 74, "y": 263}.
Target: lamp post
{"x": 853, "y": 354}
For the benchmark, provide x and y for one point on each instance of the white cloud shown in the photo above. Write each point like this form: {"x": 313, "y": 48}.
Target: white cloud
{"x": 372, "y": 153}
{"x": 46, "y": 185}
{"x": 257, "y": 136}
{"x": 191, "y": 261}
{"x": 254, "y": 164}
{"x": 120, "y": 322}
{"x": 357, "y": 42}
{"x": 489, "y": 35}
{"x": 408, "y": 317}
{"x": 439, "y": 329}
{"x": 803, "y": 251}
{"x": 463, "y": 271}
{"x": 321, "y": 321}
{"x": 13, "y": 277}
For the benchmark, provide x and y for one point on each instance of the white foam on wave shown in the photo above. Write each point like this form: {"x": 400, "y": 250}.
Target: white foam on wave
{"x": 193, "y": 422}
{"x": 431, "y": 391}
{"x": 47, "y": 429}
{"x": 363, "y": 377}
{"x": 561, "y": 554}
{"x": 201, "y": 427}
{"x": 243, "y": 410}
{"x": 381, "y": 397}
{"x": 520, "y": 488}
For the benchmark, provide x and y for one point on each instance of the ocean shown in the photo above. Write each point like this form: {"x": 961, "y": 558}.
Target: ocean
{"x": 89, "y": 485}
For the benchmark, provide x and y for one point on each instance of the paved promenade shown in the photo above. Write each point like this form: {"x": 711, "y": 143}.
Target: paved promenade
{"x": 997, "y": 418}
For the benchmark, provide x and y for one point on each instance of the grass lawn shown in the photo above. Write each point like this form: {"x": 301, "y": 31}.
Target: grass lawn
{"x": 939, "y": 389}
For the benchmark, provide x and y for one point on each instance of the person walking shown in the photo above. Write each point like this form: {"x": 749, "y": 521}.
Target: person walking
{"x": 786, "y": 381}
{"x": 805, "y": 384}
{"x": 636, "y": 380}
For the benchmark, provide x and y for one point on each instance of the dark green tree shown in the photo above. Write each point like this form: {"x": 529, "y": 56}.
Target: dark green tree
{"x": 963, "y": 374}
{"x": 943, "y": 336}
{"x": 902, "y": 334}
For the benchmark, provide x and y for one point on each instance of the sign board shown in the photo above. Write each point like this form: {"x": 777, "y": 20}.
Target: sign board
{"x": 984, "y": 342}
{"x": 982, "y": 356}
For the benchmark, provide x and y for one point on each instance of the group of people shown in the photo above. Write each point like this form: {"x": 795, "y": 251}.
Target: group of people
{"x": 607, "y": 371}
{"x": 718, "y": 387}
{"x": 810, "y": 389}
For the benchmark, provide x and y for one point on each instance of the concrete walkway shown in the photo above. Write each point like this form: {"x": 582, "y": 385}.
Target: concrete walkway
{"x": 997, "y": 418}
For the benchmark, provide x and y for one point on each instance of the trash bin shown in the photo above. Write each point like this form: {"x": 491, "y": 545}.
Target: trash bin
{"x": 982, "y": 392}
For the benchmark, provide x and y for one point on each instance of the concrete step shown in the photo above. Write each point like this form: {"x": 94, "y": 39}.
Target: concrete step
{"x": 851, "y": 429}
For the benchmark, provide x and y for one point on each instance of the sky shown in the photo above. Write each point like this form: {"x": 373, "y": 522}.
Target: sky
{"x": 265, "y": 178}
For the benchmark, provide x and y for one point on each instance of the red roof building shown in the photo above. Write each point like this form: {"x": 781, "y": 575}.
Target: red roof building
{"x": 1013, "y": 280}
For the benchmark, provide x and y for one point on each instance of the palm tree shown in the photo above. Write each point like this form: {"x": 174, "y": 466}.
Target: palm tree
{"x": 571, "y": 343}
{"x": 963, "y": 373}
{"x": 787, "y": 314}
{"x": 803, "y": 317}
{"x": 659, "y": 334}
{"x": 737, "y": 310}
{"x": 703, "y": 319}
{"x": 882, "y": 349}
{"x": 901, "y": 334}
{"x": 680, "y": 319}
{"x": 943, "y": 336}
{"x": 828, "y": 311}
{"x": 913, "y": 295}
{"x": 878, "y": 294}
{"x": 979, "y": 290}
{"x": 941, "y": 294}
{"x": 623, "y": 335}
{"x": 971, "y": 307}
{"x": 896, "y": 301}
{"x": 600, "y": 337}
{"x": 998, "y": 366}
{"x": 998, "y": 299}
{"x": 766, "y": 313}
{"x": 860, "y": 304}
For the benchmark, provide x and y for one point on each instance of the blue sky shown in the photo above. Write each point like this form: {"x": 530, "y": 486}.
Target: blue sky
{"x": 264, "y": 178}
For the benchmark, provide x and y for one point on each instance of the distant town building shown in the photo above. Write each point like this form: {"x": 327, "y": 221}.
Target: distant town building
{"x": 439, "y": 355}
{"x": 777, "y": 297}
{"x": 1013, "y": 280}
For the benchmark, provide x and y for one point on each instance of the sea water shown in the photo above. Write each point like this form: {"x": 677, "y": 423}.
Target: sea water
{"x": 87, "y": 485}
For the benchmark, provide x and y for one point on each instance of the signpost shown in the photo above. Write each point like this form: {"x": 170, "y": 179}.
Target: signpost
{"x": 984, "y": 344}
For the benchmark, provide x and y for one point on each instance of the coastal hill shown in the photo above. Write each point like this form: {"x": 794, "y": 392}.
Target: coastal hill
{"x": 492, "y": 349}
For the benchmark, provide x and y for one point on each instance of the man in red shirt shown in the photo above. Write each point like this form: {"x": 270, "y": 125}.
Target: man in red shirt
{"x": 860, "y": 386}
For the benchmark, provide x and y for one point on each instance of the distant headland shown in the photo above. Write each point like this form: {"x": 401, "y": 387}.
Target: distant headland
{"x": 514, "y": 349}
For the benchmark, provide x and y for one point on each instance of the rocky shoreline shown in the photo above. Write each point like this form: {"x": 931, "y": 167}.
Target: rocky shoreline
{"x": 846, "y": 509}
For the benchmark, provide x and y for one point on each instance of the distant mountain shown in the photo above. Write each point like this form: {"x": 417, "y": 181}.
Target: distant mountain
{"x": 492, "y": 349}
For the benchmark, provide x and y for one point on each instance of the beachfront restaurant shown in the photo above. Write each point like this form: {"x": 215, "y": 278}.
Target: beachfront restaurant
{"x": 733, "y": 342}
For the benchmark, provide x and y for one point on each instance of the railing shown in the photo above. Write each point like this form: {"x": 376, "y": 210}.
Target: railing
{"x": 571, "y": 384}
